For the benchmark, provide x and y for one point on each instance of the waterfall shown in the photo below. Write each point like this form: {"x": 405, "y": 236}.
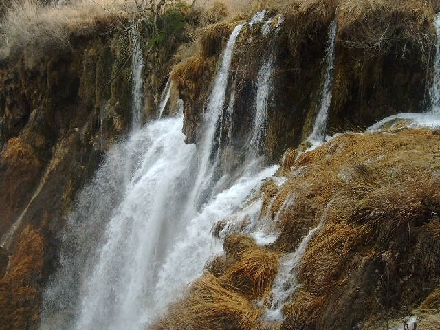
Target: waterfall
{"x": 137, "y": 65}
{"x": 117, "y": 289}
{"x": 264, "y": 85}
{"x": 147, "y": 251}
{"x": 136, "y": 237}
{"x": 319, "y": 128}
{"x": 435, "y": 88}
{"x": 286, "y": 281}
{"x": 165, "y": 97}
{"x": 213, "y": 113}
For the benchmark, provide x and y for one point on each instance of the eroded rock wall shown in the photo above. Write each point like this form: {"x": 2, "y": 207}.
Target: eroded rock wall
{"x": 383, "y": 63}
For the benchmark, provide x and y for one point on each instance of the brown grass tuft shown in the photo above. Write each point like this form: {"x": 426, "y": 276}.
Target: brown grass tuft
{"x": 303, "y": 313}
{"x": 254, "y": 274}
{"x": 187, "y": 74}
{"x": 214, "y": 38}
{"x": 374, "y": 26}
{"x": 372, "y": 252}
{"x": 223, "y": 299}
{"x": 209, "y": 306}
{"x": 20, "y": 287}
{"x": 20, "y": 153}
{"x": 433, "y": 301}
{"x": 235, "y": 245}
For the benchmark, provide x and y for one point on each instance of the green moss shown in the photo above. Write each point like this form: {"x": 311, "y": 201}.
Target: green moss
{"x": 169, "y": 32}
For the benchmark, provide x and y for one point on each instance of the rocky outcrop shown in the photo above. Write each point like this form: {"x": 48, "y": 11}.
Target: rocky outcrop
{"x": 383, "y": 61}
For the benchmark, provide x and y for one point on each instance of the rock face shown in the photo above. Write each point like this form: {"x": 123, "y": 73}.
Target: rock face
{"x": 61, "y": 110}
{"x": 379, "y": 69}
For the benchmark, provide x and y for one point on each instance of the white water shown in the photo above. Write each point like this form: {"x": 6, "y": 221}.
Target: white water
{"x": 319, "y": 128}
{"x": 165, "y": 97}
{"x": 257, "y": 18}
{"x": 136, "y": 237}
{"x": 138, "y": 87}
{"x": 286, "y": 282}
{"x": 213, "y": 113}
{"x": 407, "y": 120}
{"x": 116, "y": 292}
{"x": 195, "y": 245}
{"x": 264, "y": 87}
{"x": 435, "y": 88}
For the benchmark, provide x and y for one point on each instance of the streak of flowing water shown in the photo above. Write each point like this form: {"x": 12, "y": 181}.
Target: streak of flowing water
{"x": 410, "y": 120}
{"x": 435, "y": 88}
{"x": 250, "y": 220}
{"x": 165, "y": 98}
{"x": 286, "y": 282}
{"x": 319, "y": 128}
{"x": 196, "y": 245}
{"x": 212, "y": 116}
{"x": 229, "y": 114}
{"x": 138, "y": 87}
{"x": 264, "y": 86}
{"x": 257, "y": 18}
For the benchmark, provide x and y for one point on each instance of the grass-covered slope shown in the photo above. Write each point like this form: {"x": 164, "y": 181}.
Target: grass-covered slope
{"x": 376, "y": 258}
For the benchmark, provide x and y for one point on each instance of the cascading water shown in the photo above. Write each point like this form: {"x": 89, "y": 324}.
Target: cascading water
{"x": 319, "y": 128}
{"x": 165, "y": 98}
{"x": 138, "y": 87}
{"x": 264, "y": 85}
{"x": 212, "y": 116}
{"x": 435, "y": 88}
{"x": 136, "y": 237}
{"x": 286, "y": 282}
{"x": 265, "y": 30}
{"x": 116, "y": 291}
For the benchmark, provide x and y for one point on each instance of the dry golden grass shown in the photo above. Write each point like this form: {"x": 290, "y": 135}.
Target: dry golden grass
{"x": 209, "y": 306}
{"x": 235, "y": 245}
{"x": 233, "y": 7}
{"x": 20, "y": 153}
{"x": 365, "y": 24}
{"x": 226, "y": 302}
{"x": 375, "y": 25}
{"x": 27, "y": 23}
{"x": 213, "y": 39}
{"x": 304, "y": 312}
{"x": 372, "y": 190}
{"x": 19, "y": 288}
{"x": 254, "y": 274}
{"x": 186, "y": 74}
{"x": 380, "y": 191}
{"x": 432, "y": 302}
